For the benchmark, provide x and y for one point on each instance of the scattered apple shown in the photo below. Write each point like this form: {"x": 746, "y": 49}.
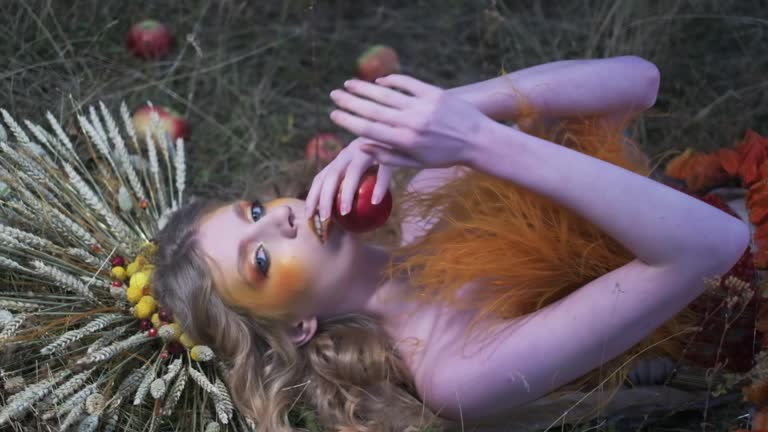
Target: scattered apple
{"x": 376, "y": 62}
{"x": 363, "y": 215}
{"x": 149, "y": 39}
{"x": 323, "y": 147}
{"x": 171, "y": 122}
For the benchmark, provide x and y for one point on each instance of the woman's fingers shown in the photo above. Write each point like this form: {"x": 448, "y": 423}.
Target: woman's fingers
{"x": 378, "y": 93}
{"x": 351, "y": 181}
{"x": 383, "y": 178}
{"x": 313, "y": 195}
{"x": 325, "y": 183}
{"x": 387, "y": 156}
{"x": 371, "y": 129}
{"x": 328, "y": 192}
{"x": 367, "y": 109}
{"x": 409, "y": 84}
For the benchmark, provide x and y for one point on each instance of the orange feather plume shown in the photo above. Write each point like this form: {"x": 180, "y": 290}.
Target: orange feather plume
{"x": 528, "y": 250}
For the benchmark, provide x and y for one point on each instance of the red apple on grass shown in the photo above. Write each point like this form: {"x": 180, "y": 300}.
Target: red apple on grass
{"x": 376, "y": 62}
{"x": 363, "y": 215}
{"x": 171, "y": 122}
{"x": 323, "y": 147}
{"x": 149, "y": 39}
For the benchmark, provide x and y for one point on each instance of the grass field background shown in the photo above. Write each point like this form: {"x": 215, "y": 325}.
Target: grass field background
{"x": 253, "y": 77}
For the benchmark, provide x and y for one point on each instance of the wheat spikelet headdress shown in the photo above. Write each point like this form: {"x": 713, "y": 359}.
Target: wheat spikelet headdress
{"x": 74, "y": 352}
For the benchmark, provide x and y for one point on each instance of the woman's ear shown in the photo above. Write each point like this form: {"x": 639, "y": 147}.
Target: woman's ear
{"x": 302, "y": 331}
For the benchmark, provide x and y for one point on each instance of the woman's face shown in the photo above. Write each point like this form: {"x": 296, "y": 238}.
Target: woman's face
{"x": 269, "y": 259}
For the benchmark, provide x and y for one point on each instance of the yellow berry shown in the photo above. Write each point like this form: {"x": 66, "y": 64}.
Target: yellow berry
{"x": 134, "y": 294}
{"x": 149, "y": 300}
{"x": 144, "y": 310}
{"x": 119, "y": 273}
{"x": 148, "y": 249}
{"x": 139, "y": 280}
{"x": 132, "y": 268}
{"x": 156, "y": 323}
{"x": 186, "y": 341}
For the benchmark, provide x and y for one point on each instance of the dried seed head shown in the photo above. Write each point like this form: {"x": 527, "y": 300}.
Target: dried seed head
{"x": 14, "y": 384}
{"x": 212, "y": 427}
{"x": 201, "y": 353}
{"x": 157, "y": 388}
{"x": 94, "y": 404}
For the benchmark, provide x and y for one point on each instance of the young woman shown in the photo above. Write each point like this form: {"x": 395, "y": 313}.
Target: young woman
{"x": 561, "y": 250}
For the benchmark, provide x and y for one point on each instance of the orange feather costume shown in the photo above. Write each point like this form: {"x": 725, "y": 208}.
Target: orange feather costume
{"x": 529, "y": 250}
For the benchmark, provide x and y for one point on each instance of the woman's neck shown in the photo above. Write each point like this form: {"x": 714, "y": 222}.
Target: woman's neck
{"x": 370, "y": 290}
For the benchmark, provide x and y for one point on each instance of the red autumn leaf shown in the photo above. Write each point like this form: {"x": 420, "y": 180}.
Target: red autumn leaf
{"x": 751, "y": 138}
{"x": 749, "y": 173}
{"x": 764, "y": 169}
{"x": 753, "y": 151}
{"x": 757, "y": 195}
{"x": 761, "y": 237}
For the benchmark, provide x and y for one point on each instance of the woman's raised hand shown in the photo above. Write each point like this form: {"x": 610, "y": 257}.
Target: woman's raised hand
{"x": 346, "y": 170}
{"x": 423, "y": 128}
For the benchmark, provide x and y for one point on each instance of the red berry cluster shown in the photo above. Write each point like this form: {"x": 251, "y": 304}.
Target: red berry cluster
{"x": 118, "y": 261}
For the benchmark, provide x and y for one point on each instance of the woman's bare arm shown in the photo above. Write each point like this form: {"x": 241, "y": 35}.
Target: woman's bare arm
{"x": 678, "y": 241}
{"x": 562, "y": 89}
{"x": 617, "y": 87}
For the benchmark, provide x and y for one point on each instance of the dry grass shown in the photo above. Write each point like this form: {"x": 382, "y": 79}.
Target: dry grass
{"x": 253, "y": 77}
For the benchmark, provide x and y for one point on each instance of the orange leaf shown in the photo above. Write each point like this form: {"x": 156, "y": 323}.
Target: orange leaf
{"x": 753, "y": 151}
{"x": 757, "y": 393}
{"x": 748, "y": 172}
{"x": 729, "y": 159}
{"x": 704, "y": 172}
{"x": 678, "y": 167}
{"x": 755, "y": 201}
{"x": 761, "y": 237}
{"x": 751, "y": 139}
{"x": 757, "y": 193}
{"x": 763, "y": 169}
{"x": 758, "y": 215}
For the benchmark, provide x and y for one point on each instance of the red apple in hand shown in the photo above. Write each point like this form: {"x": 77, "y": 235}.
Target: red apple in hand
{"x": 171, "y": 122}
{"x": 149, "y": 39}
{"x": 323, "y": 147}
{"x": 363, "y": 215}
{"x": 376, "y": 62}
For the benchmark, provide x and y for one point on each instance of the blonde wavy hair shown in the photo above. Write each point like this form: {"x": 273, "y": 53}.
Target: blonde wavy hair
{"x": 349, "y": 372}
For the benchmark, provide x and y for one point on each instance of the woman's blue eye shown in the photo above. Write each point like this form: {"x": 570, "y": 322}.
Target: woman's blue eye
{"x": 257, "y": 211}
{"x": 262, "y": 260}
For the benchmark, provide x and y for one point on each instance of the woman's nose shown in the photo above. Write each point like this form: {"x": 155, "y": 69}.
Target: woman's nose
{"x": 284, "y": 219}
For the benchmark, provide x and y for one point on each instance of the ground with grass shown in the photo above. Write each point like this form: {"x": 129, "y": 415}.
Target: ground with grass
{"x": 253, "y": 77}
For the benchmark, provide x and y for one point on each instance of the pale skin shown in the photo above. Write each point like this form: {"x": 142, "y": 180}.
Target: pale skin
{"x": 677, "y": 239}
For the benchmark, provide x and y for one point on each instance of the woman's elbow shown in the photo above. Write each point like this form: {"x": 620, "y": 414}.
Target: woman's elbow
{"x": 647, "y": 78}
